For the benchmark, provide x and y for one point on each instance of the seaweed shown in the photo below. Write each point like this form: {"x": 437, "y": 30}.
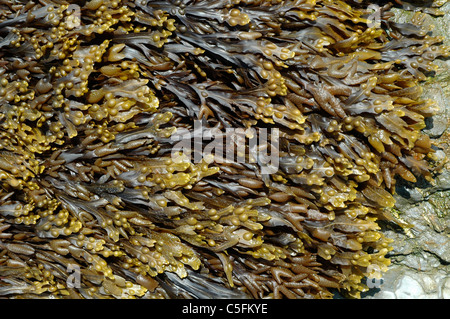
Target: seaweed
{"x": 97, "y": 102}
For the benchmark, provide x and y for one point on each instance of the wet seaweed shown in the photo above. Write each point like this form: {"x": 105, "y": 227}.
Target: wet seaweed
{"x": 93, "y": 98}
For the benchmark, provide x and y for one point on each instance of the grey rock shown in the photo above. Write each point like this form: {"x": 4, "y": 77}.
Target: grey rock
{"x": 420, "y": 259}
{"x": 429, "y": 284}
{"x": 409, "y": 288}
{"x": 438, "y": 124}
{"x": 446, "y": 288}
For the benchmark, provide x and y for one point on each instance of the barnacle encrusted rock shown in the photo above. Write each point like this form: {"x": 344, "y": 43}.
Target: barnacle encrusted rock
{"x": 95, "y": 98}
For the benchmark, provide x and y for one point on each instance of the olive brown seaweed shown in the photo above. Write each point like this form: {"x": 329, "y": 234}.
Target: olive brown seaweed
{"x": 92, "y": 92}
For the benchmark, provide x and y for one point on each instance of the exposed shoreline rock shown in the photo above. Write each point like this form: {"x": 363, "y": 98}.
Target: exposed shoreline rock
{"x": 421, "y": 256}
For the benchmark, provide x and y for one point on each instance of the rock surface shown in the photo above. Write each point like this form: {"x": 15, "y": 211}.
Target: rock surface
{"x": 421, "y": 256}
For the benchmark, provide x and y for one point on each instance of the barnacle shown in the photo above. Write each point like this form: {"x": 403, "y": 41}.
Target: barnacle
{"x": 98, "y": 101}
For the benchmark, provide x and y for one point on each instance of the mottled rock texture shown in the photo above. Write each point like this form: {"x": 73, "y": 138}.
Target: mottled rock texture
{"x": 421, "y": 256}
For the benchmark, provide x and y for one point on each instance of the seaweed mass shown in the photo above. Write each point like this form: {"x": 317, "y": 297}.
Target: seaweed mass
{"x": 93, "y": 94}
